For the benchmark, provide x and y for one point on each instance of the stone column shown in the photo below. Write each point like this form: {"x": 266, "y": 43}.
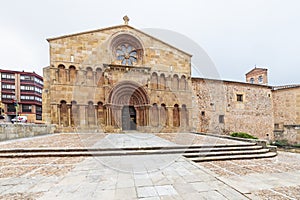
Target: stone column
{"x": 170, "y": 115}
{"x": 56, "y": 76}
{"x": 147, "y": 115}
{"x": 189, "y": 110}
{"x": 82, "y": 114}
{"x": 68, "y": 75}
{"x": 58, "y": 113}
{"x": 108, "y": 116}
{"x": 95, "y": 78}
{"x": 53, "y": 114}
{"x": 137, "y": 115}
{"x": 169, "y": 82}
{"x": 96, "y": 114}
{"x": 69, "y": 114}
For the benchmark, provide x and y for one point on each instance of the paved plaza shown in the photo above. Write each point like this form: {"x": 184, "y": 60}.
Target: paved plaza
{"x": 167, "y": 176}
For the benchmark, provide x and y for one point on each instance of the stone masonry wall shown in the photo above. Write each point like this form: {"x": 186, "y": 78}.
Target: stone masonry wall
{"x": 286, "y": 107}
{"x": 94, "y": 50}
{"x": 287, "y": 114}
{"x": 217, "y": 109}
{"x": 13, "y": 131}
{"x": 290, "y": 133}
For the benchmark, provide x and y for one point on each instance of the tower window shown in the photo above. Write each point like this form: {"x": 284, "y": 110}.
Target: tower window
{"x": 260, "y": 79}
{"x": 239, "y": 97}
{"x": 252, "y": 80}
{"x": 221, "y": 119}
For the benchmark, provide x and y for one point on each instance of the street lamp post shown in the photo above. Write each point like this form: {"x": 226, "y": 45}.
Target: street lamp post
{"x": 16, "y": 106}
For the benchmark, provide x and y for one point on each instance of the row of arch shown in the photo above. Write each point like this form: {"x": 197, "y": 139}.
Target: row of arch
{"x": 71, "y": 75}
{"x": 157, "y": 81}
{"x": 176, "y": 83}
{"x": 160, "y": 115}
{"x": 72, "y": 114}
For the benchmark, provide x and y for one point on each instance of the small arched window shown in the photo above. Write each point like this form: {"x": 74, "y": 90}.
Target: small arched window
{"x": 260, "y": 79}
{"x": 63, "y": 113}
{"x": 154, "y": 81}
{"x": 182, "y": 85}
{"x": 162, "y": 82}
{"x": 176, "y": 116}
{"x": 175, "y": 82}
{"x": 89, "y": 72}
{"x": 61, "y": 73}
{"x": 163, "y": 115}
{"x": 72, "y": 73}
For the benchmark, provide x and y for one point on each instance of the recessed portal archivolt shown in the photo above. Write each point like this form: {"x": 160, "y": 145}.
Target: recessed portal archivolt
{"x": 129, "y": 106}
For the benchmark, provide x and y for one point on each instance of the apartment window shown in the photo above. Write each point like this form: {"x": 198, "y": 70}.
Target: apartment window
{"x": 30, "y": 98}
{"x": 39, "y": 81}
{"x": 8, "y": 76}
{"x": 38, "y": 99}
{"x": 221, "y": 119}
{"x": 38, "y": 109}
{"x": 8, "y": 96}
{"x": 26, "y": 108}
{"x": 8, "y": 87}
{"x": 11, "y": 108}
{"x": 38, "y": 117}
{"x": 38, "y": 90}
{"x": 27, "y": 78}
{"x": 27, "y": 87}
{"x": 240, "y": 97}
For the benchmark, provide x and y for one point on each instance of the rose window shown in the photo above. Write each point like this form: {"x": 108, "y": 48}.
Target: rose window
{"x": 126, "y": 54}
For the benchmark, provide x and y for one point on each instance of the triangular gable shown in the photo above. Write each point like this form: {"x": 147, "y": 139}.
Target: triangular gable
{"x": 115, "y": 27}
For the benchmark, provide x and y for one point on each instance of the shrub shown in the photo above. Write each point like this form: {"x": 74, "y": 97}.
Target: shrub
{"x": 296, "y": 145}
{"x": 242, "y": 135}
{"x": 281, "y": 143}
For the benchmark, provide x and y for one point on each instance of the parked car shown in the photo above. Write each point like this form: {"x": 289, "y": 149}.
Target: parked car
{"x": 22, "y": 119}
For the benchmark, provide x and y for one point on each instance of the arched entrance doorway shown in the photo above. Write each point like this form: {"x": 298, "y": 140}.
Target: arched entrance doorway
{"x": 128, "y": 118}
{"x": 128, "y": 106}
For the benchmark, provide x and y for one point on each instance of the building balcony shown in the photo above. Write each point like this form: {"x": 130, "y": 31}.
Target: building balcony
{"x": 8, "y": 91}
{"x": 30, "y": 92}
{"x": 5, "y": 80}
{"x": 32, "y": 102}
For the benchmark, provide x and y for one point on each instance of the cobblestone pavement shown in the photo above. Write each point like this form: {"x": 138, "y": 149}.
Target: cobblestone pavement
{"x": 143, "y": 177}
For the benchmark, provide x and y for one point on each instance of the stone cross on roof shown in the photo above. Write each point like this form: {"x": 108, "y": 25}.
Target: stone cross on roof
{"x": 126, "y": 19}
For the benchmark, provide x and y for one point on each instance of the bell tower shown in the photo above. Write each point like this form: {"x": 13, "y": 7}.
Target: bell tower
{"x": 257, "y": 76}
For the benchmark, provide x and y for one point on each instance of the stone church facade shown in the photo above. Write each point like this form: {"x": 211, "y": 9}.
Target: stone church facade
{"x": 120, "y": 78}
{"x": 116, "y": 79}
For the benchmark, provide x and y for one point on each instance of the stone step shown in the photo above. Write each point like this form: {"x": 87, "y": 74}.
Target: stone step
{"x": 195, "y": 150}
{"x": 127, "y": 151}
{"x": 195, "y": 153}
{"x": 183, "y": 148}
{"x": 235, "y": 157}
{"x": 225, "y": 153}
{"x": 87, "y": 153}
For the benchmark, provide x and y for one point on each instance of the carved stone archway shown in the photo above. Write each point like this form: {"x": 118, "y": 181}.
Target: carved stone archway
{"x": 128, "y": 94}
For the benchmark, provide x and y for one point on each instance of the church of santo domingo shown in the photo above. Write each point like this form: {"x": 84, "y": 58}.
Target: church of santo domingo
{"x": 119, "y": 78}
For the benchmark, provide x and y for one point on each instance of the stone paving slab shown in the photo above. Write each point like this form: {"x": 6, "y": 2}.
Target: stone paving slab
{"x": 147, "y": 176}
{"x": 126, "y": 184}
{"x": 138, "y": 177}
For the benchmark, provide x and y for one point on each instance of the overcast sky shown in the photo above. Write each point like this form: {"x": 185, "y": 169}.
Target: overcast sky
{"x": 236, "y": 34}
